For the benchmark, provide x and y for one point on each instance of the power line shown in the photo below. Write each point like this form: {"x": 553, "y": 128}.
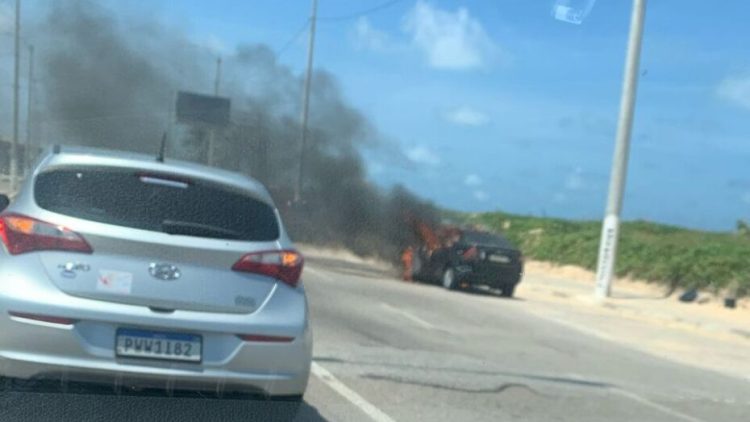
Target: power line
{"x": 305, "y": 25}
{"x": 361, "y": 13}
{"x": 294, "y": 38}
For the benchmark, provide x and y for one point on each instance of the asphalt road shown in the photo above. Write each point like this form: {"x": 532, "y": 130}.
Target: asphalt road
{"x": 388, "y": 350}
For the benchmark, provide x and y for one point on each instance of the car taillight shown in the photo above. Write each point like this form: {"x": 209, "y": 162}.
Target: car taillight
{"x": 22, "y": 234}
{"x": 285, "y": 266}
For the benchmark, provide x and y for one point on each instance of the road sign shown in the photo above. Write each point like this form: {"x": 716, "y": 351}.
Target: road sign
{"x": 195, "y": 108}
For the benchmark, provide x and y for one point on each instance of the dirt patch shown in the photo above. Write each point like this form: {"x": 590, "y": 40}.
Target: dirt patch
{"x": 565, "y": 271}
{"x": 630, "y": 288}
{"x": 343, "y": 255}
{"x": 637, "y": 307}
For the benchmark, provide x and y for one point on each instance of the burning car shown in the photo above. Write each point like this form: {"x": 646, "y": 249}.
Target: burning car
{"x": 459, "y": 258}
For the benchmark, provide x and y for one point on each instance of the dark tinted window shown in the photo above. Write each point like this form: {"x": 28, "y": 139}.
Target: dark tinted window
{"x": 486, "y": 239}
{"x": 159, "y": 203}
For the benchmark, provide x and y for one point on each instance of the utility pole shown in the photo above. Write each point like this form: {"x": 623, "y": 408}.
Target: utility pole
{"x": 14, "y": 141}
{"x": 611, "y": 224}
{"x": 29, "y": 109}
{"x": 217, "y": 81}
{"x": 210, "y": 152}
{"x": 262, "y": 145}
{"x": 211, "y": 130}
{"x": 306, "y": 101}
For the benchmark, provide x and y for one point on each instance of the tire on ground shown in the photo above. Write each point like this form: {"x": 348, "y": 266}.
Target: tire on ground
{"x": 449, "y": 279}
{"x": 508, "y": 290}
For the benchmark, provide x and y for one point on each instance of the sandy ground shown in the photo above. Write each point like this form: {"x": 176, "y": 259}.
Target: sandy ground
{"x": 344, "y": 255}
{"x": 627, "y": 287}
{"x": 642, "y": 299}
{"x": 638, "y": 315}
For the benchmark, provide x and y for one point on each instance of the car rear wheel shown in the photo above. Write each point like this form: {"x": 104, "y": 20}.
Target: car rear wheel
{"x": 449, "y": 279}
{"x": 508, "y": 290}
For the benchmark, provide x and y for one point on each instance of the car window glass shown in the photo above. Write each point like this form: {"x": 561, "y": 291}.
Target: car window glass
{"x": 122, "y": 198}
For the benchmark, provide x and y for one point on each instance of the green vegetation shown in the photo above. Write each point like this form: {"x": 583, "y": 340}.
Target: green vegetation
{"x": 660, "y": 253}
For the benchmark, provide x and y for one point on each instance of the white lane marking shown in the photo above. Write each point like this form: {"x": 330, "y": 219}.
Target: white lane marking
{"x": 368, "y": 408}
{"x": 657, "y": 406}
{"x": 556, "y": 318}
{"x": 408, "y": 315}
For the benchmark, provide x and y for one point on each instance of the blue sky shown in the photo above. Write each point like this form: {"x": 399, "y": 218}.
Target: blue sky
{"x": 500, "y": 106}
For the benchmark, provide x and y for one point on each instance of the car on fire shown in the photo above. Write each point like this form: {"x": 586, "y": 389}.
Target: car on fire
{"x": 123, "y": 269}
{"x": 471, "y": 258}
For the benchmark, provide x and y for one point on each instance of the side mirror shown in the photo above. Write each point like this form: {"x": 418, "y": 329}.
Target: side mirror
{"x": 4, "y": 201}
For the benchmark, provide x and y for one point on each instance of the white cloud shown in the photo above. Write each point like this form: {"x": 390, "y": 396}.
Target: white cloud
{"x": 449, "y": 40}
{"x": 423, "y": 155}
{"x": 466, "y": 116}
{"x": 367, "y": 37}
{"x": 575, "y": 180}
{"x": 481, "y": 195}
{"x": 472, "y": 180}
{"x": 746, "y": 198}
{"x": 736, "y": 90}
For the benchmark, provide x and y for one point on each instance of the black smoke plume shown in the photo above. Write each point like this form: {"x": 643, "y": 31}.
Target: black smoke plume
{"x": 110, "y": 81}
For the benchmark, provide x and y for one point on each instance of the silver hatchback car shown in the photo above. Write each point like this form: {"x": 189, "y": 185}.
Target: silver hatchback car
{"x": 120, "y": 268}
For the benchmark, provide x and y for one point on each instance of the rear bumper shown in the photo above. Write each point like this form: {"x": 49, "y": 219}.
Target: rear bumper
{"x": 40, "y": 351}
{"x": 85, "y": 350}
{"x": 496, "y": 277}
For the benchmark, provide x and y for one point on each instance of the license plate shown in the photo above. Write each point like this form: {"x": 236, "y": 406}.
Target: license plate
{"x": 501, "y": 259}
{"x": 158, "y": 345}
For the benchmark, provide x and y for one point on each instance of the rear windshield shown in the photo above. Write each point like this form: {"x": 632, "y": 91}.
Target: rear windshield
{"x": 155, "y": 202}
{"x": 486, "y": 239}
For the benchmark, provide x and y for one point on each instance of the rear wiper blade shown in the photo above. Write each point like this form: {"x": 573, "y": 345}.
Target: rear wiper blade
{"x": 189, "y": 228}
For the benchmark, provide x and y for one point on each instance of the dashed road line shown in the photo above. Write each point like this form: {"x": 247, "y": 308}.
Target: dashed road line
{"x": 408, "y": 315}
{"x": 660, "y": 407}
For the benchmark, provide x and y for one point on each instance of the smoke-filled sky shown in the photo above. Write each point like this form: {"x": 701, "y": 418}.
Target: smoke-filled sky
{"x": 477, "y": 105}
{"x": 110, "y": 80}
